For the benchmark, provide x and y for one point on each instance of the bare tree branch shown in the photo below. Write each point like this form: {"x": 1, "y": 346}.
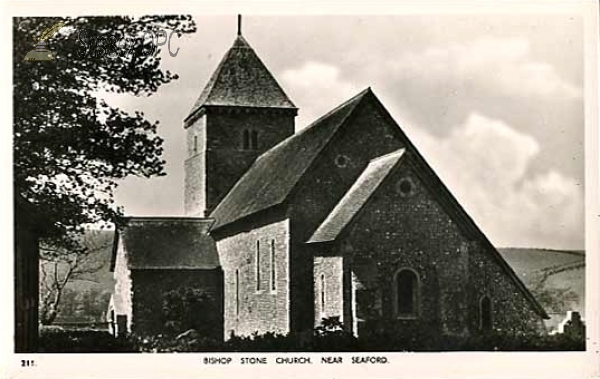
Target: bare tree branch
{"x": 59, "y": 267}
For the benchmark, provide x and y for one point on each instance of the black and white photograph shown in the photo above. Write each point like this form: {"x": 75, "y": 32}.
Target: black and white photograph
{"x": 331, "y": 189}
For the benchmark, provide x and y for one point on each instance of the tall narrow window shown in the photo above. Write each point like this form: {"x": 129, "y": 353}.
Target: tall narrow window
{"x": 322, "y": 296}
{"x": 195, "y": 144}
{"x": 246, "y": 140}
{"x": 258, "y": 265}
{"x": 273, "y": 288}
{"x": 485, "y": 314}
{"x": 237, "y": 292}
{"x": 254, "y": 140}
{"x": 407, "y": 287}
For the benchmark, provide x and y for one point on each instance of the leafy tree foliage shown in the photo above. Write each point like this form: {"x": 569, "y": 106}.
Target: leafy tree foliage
{"x": 70, "y": 146}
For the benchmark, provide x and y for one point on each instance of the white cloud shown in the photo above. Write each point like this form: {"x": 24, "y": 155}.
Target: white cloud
{"x": 484, "y": 163}
{"x": 316, "y": 89}
{"x": 504, "y": 67}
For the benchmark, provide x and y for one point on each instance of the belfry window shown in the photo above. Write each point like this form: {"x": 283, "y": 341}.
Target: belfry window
{"x": 254, "y": 140}
{"x": 250, "y": 140}
{"x": 486, "y": 321}
{"x": 195, "y": 144}
{"x": 406, "y": 286}
{"x": 246, "y": 140}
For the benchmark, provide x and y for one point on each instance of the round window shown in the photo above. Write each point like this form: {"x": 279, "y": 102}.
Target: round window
{"x": 405, "y": 187}
{"x": 342, "y": 160}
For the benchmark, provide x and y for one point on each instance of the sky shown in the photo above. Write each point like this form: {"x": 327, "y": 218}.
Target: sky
{"x": 493, "y": 102}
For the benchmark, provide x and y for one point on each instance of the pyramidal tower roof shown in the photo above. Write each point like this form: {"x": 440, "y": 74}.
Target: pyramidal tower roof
{"x": 242, "y": 80}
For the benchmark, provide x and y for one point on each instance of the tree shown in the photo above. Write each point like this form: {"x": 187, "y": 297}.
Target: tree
{"x": 70, "y": 146}
{"x": 60, "y": 266}
{"x": 554, "y": 299}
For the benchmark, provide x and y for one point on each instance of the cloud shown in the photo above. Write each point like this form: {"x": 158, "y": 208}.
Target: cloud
{"x": 484, "y": 162}
{"x": 502, "y": 66}
{"x": 316, "y": 88}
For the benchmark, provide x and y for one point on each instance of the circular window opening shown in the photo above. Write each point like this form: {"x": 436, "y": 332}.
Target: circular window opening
{"x": 342, "y": 160}
{"x": 405, "y": 187}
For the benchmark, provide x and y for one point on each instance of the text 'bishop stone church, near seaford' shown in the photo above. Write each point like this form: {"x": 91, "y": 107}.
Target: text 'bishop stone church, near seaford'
{"x": 343, "y": 219}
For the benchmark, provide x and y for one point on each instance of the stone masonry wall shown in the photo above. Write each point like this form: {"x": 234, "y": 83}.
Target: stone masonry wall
{"x": 396, "y": 230}
{"x": 328, "y": 277}
{"x": 226, "y": 158}
{"x": 220, "y": 158}
{"x": 150, "y": 286}
{"x": 510, "y": 309}
{"x": 366, "y": 135}
{"x": 195, "y": 178}
{"x": 122, "y": 297}
{"x": 250, "y": 308}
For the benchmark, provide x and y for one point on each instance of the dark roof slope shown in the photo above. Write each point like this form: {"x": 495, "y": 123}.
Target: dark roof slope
{"x": 241, "y": 79}
{"x": 274, "y": 174}
{"x": 169, "y": 243}
{"x": 368, "y": 181}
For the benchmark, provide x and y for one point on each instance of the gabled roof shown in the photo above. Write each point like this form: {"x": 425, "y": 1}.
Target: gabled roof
{"x": 453, "y": 207}
{"x": 242, "y": 80}
{"x": 366, "y": 184}
{"x": 275, "y": 173}
{"x": 168, "y": 243}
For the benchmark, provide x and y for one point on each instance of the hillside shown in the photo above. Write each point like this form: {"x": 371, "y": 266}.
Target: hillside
{"x": 86, "y": 299}
{"x": 562, "y": 274}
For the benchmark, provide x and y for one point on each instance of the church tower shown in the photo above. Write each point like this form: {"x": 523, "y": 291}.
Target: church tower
{"x": 241, "y": 113}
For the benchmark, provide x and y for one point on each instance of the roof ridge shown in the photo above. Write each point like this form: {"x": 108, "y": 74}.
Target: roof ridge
{"x": 320, "y": 137}
{"x": 399, "y": 152}
{"x": 318, "y": 120}
{"x": 342, "y": 105}
{"x": 344, "y": 218}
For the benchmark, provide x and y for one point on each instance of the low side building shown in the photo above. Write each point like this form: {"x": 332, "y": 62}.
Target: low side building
{"x": 160, "y": 264}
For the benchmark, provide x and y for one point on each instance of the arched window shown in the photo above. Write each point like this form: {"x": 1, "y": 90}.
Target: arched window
{"x": 237, "y": 293}
{"x": 273, "y": 288}
{"x": 258, "y": 278}
{"x": 322, "y": 293}
{"x": 407, "y": 293}
{"x": 486, "y": 321}
{"x": 246, "y": 140}
{"x": 254, "y": 140}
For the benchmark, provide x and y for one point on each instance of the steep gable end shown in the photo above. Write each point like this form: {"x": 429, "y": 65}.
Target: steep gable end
{"x": 242, "y": 79}
{"x": 346, "y": 210}
{"x": 356, "y": 197}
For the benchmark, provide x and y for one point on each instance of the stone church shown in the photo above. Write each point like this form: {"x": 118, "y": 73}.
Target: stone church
{"x": 342, "y": 219}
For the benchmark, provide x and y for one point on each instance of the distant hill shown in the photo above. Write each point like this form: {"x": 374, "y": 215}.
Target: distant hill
{"x": 562, "y": 273}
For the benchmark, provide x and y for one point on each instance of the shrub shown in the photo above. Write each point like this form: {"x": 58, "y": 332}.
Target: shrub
{"x": 57, "y": 340}
{"x": 190, "y": 308}
{"x": 327, "y": 337}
